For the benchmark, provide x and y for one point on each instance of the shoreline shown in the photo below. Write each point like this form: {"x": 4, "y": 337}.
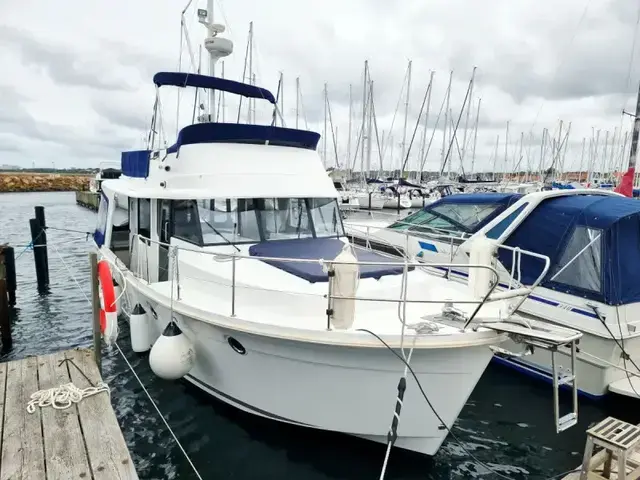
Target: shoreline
{"x": 43, "y": 182}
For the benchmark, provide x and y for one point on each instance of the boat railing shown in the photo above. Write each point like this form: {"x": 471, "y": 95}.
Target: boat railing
{"x": 329, "y": 266}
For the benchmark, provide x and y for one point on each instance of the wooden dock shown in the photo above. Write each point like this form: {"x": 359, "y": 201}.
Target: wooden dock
{"x": 82, "y": 441}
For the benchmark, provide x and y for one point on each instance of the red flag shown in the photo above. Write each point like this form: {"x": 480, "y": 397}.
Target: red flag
{"x": 625, "y": 187}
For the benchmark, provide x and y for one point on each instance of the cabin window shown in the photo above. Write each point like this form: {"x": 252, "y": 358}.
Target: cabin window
{"x": 225, "y": 220}
{"x": 101, "y": 225}
{"x": 120, "y": 224}
{"x": 580, "y": 263}
{"x": 497, "y": 231}
{"x": 325, "y": 216}
{"x": 186, "y": 222}
{"x": 144, "y": 217}
{"x": 282, "y": 218}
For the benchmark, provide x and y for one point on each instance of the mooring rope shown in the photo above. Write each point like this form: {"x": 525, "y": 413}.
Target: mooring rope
{"x": 64, "y": 396}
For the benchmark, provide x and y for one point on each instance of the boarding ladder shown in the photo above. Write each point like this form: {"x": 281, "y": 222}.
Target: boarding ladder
{"x": 552, "y": 338}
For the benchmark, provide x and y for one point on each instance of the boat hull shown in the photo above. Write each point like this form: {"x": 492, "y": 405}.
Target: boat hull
{"x": 344, "y": 389}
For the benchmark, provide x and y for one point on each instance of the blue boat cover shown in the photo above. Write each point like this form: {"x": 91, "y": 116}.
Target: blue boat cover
{"x": 243, "y": 133}
{"x": 183, "y": 79}
{"x": 135, "y": 163}
{"x": 550, "y": 227}
{"x": 316, "y": 248}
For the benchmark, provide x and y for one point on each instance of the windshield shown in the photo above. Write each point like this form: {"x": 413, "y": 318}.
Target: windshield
{"x": 259, "y": 219}
{"x": 449, "y": 217}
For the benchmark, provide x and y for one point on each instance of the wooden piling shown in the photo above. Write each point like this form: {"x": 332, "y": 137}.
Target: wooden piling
{"x": 5, "y": 321}
{"x": 10, "y": 274}
{"x": 38, "y": 256}
{"x": 42, "y": 242}
{"x": 95, "y": 304}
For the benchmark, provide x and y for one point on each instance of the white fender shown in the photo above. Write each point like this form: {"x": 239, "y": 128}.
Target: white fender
{"x": 481, "y": 252}
{"x": 173, "y": 354}
{"x": 139, "y": 330}
{"x": 345, "y": 283}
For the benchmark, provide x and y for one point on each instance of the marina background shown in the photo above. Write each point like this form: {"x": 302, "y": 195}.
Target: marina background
{"x": 506, "y": 423}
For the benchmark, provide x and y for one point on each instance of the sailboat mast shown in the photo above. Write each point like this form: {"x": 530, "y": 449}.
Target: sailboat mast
{"x": 423, "y": 143}
{"x": 463, "y": 154}
{"x": 506, "y": 151}
{"x": 349, "y": 131}
{"x": 297, "y": 101}
{"x": 495, "y": 157}
{"x": 475, "y": 138}
{"x": 406, "y": 113}
{"x": 212, "y": 67}
{"x": 370, "y": 126}
{"x": 446, "y": 124}
{"x": 324, "y": 136}
{"x": 365, "y": 93}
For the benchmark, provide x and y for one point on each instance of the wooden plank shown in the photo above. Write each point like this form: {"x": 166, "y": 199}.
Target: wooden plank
{"x": 66, "y": 456}
{"x": 108, "y": 454}
{"x": 22, "y": 447}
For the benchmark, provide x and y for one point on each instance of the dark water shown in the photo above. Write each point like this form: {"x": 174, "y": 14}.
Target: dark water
{"x": 507, "y": 422}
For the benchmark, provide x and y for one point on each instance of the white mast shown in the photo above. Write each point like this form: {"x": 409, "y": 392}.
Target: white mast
{"x": 281, "y": 81}
{"x": 495, "y": 158}
{"x": 365, "y": 93}
{"x": 406, "y": 113}
{"x": 217, "y": 47}
{"x": 506, "y": 151}
{"x": 297, "y": 100}
{"x": 446, "y": 122}
{"x": 466, "y": 122}
{"x": 423, "y": 142}
{"x": 581, "y": 160}
{"x": 475, "y": 137}
{"x": 251, "y": 76}
{"x": 349, "y": 132}
{"x": 324, "y": 136}
{"x": 370, "y": 126}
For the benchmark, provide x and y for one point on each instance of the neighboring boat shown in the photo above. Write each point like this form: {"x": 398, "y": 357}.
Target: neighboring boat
{"x": 592, "y": 238}
{"x": 348, "y": 199}
{"x": 106, "y": 171}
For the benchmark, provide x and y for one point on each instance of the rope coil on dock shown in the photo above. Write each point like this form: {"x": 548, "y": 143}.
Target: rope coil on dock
{"x": 64, "y": 396}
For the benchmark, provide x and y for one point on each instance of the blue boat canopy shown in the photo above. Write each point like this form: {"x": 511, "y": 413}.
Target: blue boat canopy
{"x": 183, "y": 79}
{"x": 245, "y": 133}
{"x": 593, "y": 242}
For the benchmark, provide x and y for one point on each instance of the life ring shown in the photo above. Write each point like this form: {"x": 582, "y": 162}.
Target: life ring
{"x": 108, "y": 308}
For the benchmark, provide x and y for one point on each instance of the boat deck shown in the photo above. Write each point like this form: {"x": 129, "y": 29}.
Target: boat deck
{"x": 82, "y": 441}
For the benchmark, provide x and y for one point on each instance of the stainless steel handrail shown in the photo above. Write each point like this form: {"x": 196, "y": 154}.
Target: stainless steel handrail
{"x": 329, "y": 264}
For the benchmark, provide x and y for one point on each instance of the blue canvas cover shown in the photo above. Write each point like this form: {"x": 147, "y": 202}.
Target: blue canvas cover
{"x": 551, "y": 226}
{"x": 135, "y": 163}
{"x": 243, "y": 133}
{"x": 184, "y": 79}
{"x": 316, "y": 248}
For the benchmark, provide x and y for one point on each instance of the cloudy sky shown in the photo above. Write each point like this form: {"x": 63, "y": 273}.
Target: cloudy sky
{"x": 76, "y": 84}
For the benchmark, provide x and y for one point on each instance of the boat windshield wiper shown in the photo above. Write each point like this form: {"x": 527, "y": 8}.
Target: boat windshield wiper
{"x": 215, "y": 230}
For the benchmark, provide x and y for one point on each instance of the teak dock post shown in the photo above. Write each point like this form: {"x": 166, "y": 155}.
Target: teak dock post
{"x": 7, "y": 294}
{"x": 82, "y": 441}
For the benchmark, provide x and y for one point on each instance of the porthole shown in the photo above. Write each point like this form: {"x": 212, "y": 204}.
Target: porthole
{"x": 236, "y": 346}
